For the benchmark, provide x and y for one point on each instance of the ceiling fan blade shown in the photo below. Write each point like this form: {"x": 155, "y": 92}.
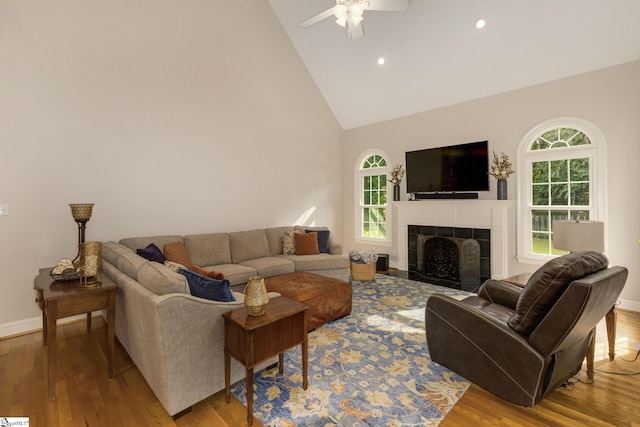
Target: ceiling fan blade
{"x": 319, "y": 17}
{"x": 387, "y": 5}
{"x": 356, "y": 31}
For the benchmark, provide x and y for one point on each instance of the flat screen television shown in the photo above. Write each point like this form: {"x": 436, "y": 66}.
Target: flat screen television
{"x": 455, "y": 168}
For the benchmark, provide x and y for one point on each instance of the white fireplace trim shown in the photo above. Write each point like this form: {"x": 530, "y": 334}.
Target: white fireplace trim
{"x": 495, "y": 215}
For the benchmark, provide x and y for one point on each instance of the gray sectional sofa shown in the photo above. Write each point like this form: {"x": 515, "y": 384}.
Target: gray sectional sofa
{"x": 175, "y": 339}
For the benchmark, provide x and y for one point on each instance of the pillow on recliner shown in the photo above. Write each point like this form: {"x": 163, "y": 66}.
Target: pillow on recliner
{"x": 548, "y": 283}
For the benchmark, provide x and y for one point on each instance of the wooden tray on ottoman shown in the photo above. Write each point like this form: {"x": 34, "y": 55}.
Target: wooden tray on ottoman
{"x": 328, "y": 299}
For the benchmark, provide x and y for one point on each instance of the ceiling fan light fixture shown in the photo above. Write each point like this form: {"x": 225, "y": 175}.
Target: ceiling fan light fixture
{"x": 355, "y": 20}
{"x": 342, "y": 21}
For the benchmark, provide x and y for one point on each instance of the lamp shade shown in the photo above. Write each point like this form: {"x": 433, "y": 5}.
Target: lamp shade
{"x": 81, "y": 211}
{"x": 576, "y": 236}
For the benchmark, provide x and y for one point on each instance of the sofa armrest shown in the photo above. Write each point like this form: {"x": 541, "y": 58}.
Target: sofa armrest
{"x": 334, "y": 248}
{"x": 500, "y": 292}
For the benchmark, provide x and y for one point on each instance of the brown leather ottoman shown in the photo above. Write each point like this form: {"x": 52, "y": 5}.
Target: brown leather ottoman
{"x": 327, "y": 298}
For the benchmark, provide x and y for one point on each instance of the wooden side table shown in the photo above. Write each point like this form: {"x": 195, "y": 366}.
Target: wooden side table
{"x": 611, "y": 320}
{"x": 253, "y": 339}
{"x": 63, "y": 299}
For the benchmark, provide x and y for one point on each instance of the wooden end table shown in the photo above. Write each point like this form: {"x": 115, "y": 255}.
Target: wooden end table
{"x": 611, "y": 319}
{"x": 64, "y": 299}
{"x": 253, "y": 339}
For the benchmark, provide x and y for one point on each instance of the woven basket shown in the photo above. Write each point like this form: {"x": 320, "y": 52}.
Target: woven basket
{"x": 363, "y": 272}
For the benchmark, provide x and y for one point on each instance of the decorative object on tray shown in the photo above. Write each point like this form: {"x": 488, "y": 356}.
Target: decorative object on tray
{"x": 256, "y": 298}
{"x": 81, "y": 213}
{"x": 396, "y": 175}
{"x": 90, "y": 264}
{"x": 501, "y": 169}
{"x": 363, "y": 265}
{"x": 64, "y": 271}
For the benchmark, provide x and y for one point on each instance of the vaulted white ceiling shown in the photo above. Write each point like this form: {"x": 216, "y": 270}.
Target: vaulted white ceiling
{"x": 435, "y": 56}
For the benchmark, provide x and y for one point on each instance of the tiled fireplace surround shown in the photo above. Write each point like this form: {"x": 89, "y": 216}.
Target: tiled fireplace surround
{"x": 487, "y": 222}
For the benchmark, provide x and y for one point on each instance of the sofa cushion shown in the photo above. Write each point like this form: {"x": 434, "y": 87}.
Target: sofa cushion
{"x": 270, "y": 266}
{"x": 208, "y": 288}
{"x": 323, "y": 240}
{"x": 111, "y": 251}
{"x": 208, "y": 249}
{"x": 235, "y": 273}
{"x": 334, "y": 248}
{"x": 142, "y": 242}
{"x": 318, "y": 262}
{"x": 289, "y": 243}
{"x": 129, "y": 263}
{"x": 246, "y": 245}
{"x": 177, "y": 252}
{"x": 160, "y": 280}
{"x": 274, "y": 238}
{"x": 548, "y": 283}
{"x": 306, "y": 244}
{"x": 151, "y": 253}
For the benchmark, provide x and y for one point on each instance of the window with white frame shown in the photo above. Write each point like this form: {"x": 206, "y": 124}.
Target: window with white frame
{"x": 372, "y": 213}
{"x": 560, "y": 178}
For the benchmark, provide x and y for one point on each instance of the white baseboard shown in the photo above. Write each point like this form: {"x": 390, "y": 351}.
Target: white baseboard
{"x": 627, "y": 304}
{"x": 35, "y": 324}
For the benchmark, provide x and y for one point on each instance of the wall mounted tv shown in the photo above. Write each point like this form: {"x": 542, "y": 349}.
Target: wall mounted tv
{"x": 455, "y": 168}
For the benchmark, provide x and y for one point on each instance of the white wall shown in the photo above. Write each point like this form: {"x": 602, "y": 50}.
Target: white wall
{"x": 608, "y": 98}
{"x": 171, "y": 117}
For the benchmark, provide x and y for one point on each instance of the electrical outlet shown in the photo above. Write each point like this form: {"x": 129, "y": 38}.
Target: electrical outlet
{"x": 4, "y": 209}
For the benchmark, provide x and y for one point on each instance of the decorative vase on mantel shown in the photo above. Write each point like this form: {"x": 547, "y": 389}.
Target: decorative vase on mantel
{"x": 502, "y": 189}
{"x": 396, "y": 192}
{"x": 255, "y": 296}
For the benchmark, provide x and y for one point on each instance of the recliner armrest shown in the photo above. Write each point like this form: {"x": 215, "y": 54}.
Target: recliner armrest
{"x": 500, "y": 292}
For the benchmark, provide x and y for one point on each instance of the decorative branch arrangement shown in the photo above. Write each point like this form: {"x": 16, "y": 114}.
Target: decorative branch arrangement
{"x": 501, "y": 168}
{"x": 396, "y": 174}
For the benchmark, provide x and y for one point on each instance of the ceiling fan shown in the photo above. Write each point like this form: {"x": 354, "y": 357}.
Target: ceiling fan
{"x": 348, "y": 13}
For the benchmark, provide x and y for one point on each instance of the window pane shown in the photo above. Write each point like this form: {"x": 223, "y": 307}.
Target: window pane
{"x": 579, "y": 139}
{"x": 540, "y": 195}
{"x": 579, "y": 169}
{"x": 374, "y": 198}
{"x": 367, "y": 198}
{"x": 540, "y": 243}
{"x": 374, "y": 182}
{"x": 580, "y": 194}
{"x": 540, "y": 172}
{"x": 579, "y": 215}
{"x": 540, "y": 220}
{"x": 559, "y": 171}
{"x": 366, "y": 182}
{"x": 559, "y": 194}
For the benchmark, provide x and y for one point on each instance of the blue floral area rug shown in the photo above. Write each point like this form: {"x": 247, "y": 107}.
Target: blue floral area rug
{"x": 371, "y": 368}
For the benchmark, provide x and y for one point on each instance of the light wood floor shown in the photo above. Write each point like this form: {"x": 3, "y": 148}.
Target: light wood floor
{"x": 85, "y": 397}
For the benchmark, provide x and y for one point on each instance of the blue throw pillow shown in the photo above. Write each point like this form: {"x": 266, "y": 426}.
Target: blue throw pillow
{"x": 205, "y": 287}
{"x": 152, "y": 253}
{"x": 323, "y": 240}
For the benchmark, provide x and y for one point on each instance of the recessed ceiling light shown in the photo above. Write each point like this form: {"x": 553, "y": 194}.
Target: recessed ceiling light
{"x": 381, "y": 61}
{"x": 480, "y": 23}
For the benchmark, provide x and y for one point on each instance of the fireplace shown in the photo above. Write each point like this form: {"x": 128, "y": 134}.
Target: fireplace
{"x": 456, "y": 257}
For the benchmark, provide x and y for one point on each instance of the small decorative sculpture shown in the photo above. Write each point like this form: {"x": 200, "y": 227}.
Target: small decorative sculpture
{"x": 256, "y": 298}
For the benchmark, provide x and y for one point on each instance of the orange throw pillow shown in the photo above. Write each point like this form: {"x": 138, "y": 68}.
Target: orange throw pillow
{"x": 306, "y": 244}
{"x": 177, "y": 252}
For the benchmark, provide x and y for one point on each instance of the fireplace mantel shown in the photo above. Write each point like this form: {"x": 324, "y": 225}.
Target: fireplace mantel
{"x": 495, "y": 215}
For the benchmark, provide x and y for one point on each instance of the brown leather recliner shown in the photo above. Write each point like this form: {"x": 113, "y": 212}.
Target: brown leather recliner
{"x": 522, "y": 343}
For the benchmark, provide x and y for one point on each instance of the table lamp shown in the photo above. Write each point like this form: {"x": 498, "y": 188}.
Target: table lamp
{"x": 81, "y": 214}
{"x": 574, "y": 235}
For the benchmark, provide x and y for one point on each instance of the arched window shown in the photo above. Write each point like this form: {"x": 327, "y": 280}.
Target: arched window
{"x": 372, "y": 213}
{"x": 560, "y": 177}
